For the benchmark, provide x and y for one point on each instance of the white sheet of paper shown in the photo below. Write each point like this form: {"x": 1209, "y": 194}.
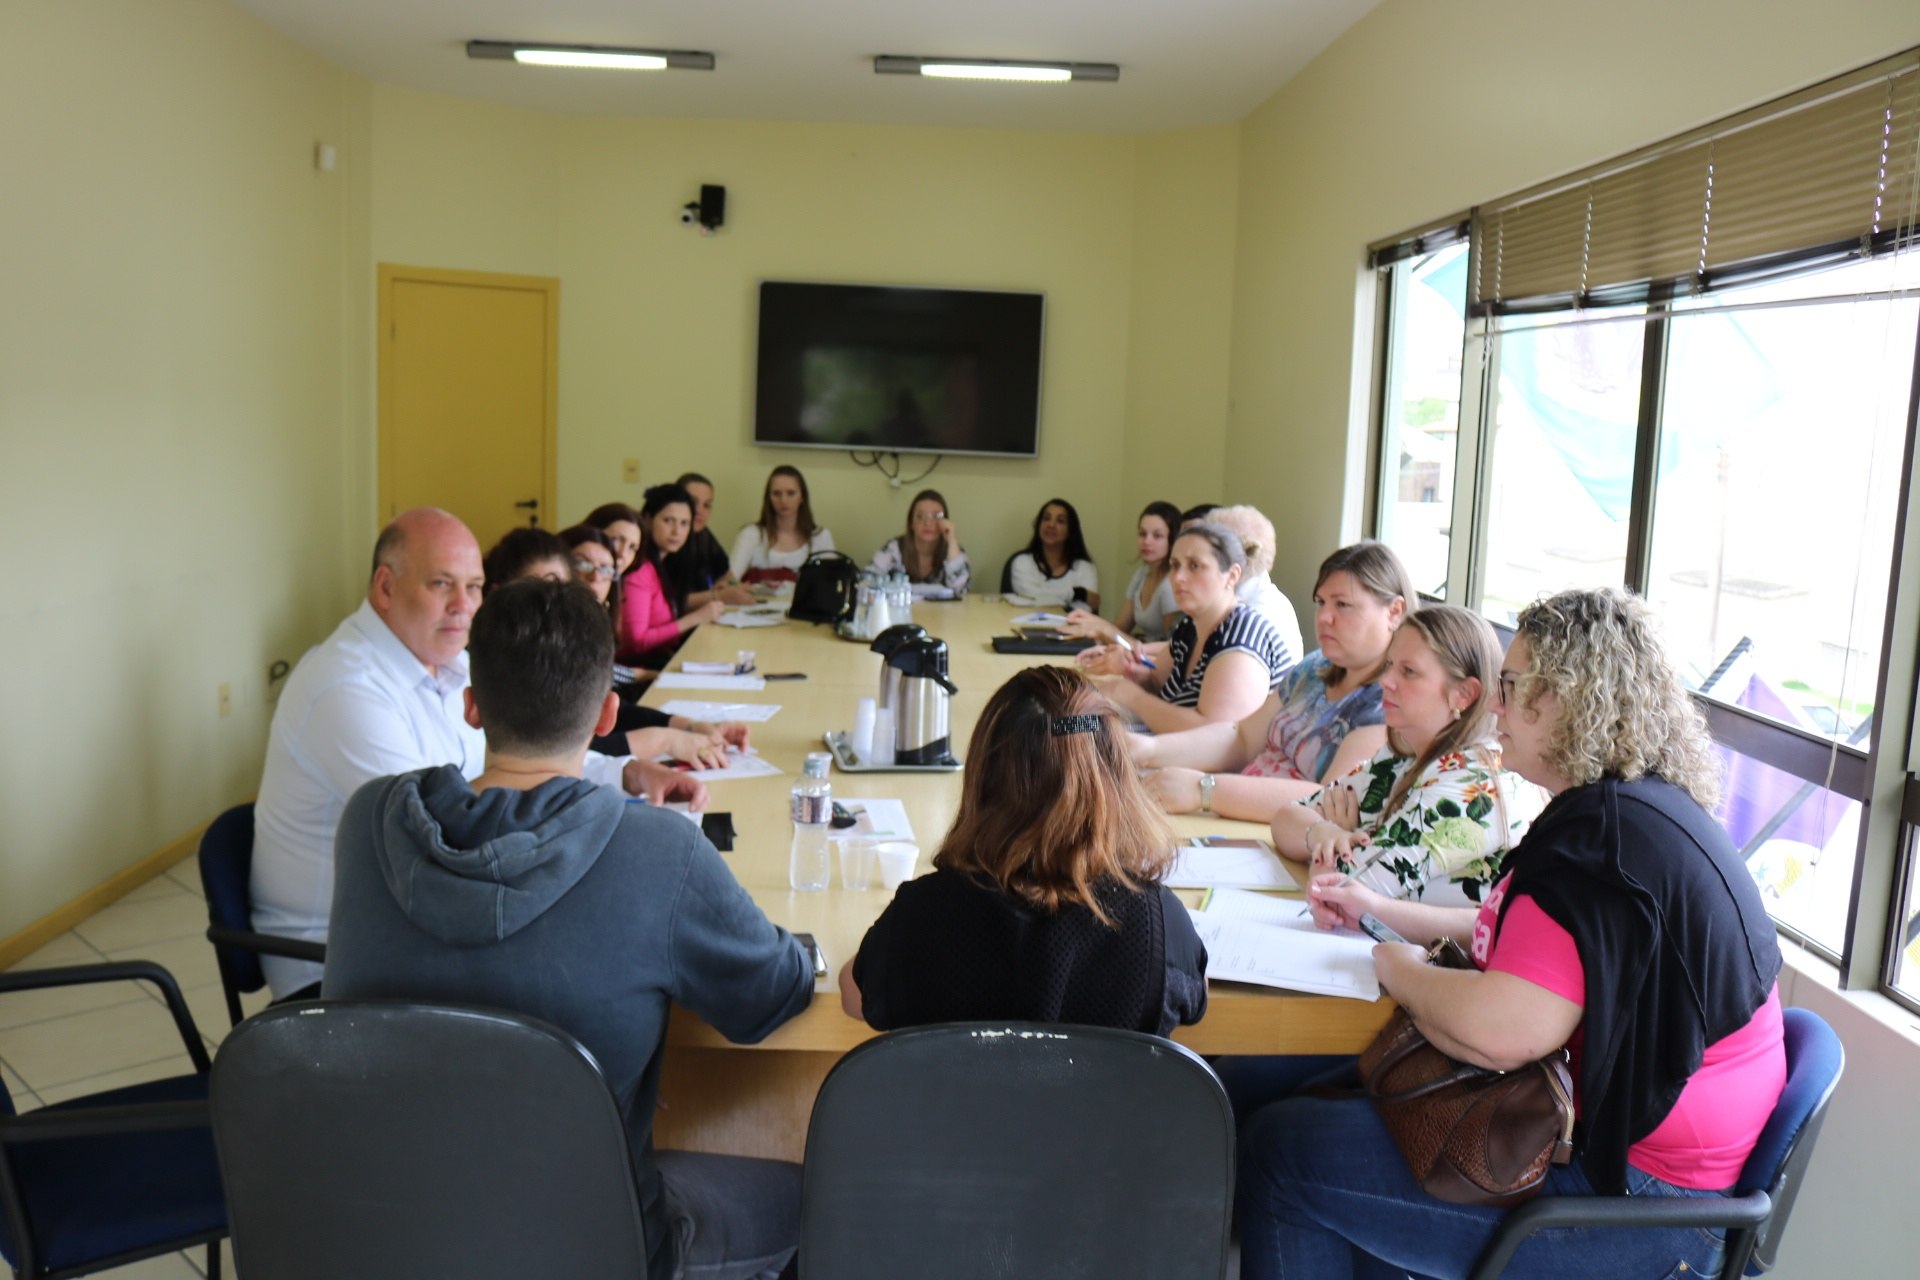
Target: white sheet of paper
{"x": 932, "y": 591}
{"x": 1214, "y": 866}
{"x": 1039, "y": 618}
{"x": 886, "y": 818}
{"x": 750, "y": 764}
{"x": 675, "y": 806}
{"x": 709, "y": 668}
{"x": 751, "y": 712}
{"x": 1266, "y": 941}
{"x": 684, "y": 680}
{"x": 756, "y": 617}
{"x": 1025, "y": 602}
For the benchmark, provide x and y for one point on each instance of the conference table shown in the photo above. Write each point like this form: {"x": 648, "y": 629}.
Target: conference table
{"x": 755, "y": 1100}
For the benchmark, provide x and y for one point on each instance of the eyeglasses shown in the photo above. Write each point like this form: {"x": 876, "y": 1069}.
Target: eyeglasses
{"x": 1506, "y": 688}
{"x": 591, "y": 569}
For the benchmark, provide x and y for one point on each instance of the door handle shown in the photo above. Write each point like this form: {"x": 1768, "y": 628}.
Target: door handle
{"x": 532, "y": 506}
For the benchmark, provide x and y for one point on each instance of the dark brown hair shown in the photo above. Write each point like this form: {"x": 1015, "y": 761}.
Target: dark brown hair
{"x": 519, "y": 550}
{"x": 1049, "y": 817}
{"x": 583, "y": 533}
{"x": 802, "y": 519}
{"x": 541, "y": 658}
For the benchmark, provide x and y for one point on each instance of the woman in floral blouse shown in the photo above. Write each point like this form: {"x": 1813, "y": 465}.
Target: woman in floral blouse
{"x": 1432, "y": 813}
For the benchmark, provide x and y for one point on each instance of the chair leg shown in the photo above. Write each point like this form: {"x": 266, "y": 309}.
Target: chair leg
{"x": 213, "y": 1260}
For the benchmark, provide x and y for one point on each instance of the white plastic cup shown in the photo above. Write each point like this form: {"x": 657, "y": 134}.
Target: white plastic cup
{"x": 896, "y": 859}
{"x": 862, "y": 738}
{"x": 882, "y": 738}
{"x": 856, "y": 864}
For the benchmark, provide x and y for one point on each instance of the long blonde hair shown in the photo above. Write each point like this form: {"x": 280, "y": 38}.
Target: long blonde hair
{"x": 1464, "y": 644}
{"x": 1624, "y": 712}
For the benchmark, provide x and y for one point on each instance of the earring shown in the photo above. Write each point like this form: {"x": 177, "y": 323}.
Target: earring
{"x": 1457, "y": 711}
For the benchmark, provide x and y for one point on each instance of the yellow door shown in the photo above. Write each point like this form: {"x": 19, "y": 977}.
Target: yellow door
{"x": 468, "y": 391}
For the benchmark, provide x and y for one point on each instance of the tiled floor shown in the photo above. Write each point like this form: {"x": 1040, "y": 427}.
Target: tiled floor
{"x": 56, "y": 1045}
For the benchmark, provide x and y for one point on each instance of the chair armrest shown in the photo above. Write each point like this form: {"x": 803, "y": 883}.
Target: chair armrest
{"x": 270, "y": 944}
{"x": 98, "y": 1122}
{"x": 118, "y": 971}
{"x": 1617, "y": 1211}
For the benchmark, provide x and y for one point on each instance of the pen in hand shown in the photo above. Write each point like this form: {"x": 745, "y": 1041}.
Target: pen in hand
{"x": 1136, "y": 654}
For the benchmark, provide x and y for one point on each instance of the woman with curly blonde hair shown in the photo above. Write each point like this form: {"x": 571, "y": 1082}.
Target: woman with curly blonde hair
{"x": 1626, "y": 931}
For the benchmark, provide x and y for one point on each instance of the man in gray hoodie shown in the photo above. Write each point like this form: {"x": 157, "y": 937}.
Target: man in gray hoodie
{"x": 533, "y": 890}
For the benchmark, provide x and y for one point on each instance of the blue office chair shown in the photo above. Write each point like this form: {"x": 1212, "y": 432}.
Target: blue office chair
{"x": 1755, "y": 1214}
{"x": 387, "y": 1140}
{"x": 226, "y": 868}
{"x": 993, "y": 1149}
{"x": 113, "y": 1177}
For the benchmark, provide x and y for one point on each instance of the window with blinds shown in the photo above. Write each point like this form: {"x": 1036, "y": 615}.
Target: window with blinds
{"x": 1826, "y": 173}
{"x": 1692, "y": 370}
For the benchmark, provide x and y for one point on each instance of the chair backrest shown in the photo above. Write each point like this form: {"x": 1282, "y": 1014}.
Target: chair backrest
{"x": 388, "y": 1139}
{"x": 1778, "y": 1164}
{"x": 1006, "y": 574}
{"x": 997, "y": 1149}
{"x": 226, "y": 868}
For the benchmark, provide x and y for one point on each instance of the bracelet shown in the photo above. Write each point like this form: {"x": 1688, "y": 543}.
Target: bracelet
{"x": 1206, "y": 792}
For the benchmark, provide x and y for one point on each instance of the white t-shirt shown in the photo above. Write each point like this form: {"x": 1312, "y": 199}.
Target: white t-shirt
{"x": 1030, "y": 582}
{"x": 1149, "y": 616}
{"x": 750, "y": 551}
{"x": 1270, "y": 601}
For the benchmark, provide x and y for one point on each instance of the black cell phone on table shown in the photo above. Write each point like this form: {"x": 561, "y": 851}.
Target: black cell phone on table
{"x": 1371, "y": 925}
{"x": 814, "y": 954}
{"x": 784, "y": 675}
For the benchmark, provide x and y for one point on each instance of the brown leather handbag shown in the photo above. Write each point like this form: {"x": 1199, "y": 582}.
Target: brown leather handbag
{"x": 1472, "y": 1135}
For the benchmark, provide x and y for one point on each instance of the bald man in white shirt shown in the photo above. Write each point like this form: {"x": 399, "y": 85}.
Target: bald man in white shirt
{"x": 378, "y": 697}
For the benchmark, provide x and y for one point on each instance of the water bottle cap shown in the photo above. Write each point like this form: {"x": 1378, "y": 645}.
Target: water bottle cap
{"x": 818, "y": 762}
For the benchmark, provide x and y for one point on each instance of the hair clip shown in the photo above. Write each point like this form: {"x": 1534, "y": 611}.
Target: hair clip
{"x": 1063, "y": 725}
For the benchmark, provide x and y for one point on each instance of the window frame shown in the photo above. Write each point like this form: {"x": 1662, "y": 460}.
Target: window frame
{"x": 1884, "y": 776}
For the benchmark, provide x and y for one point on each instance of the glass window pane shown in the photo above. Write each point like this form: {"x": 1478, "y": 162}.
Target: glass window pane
{"x": 1798, "y": 839}
{"x": 1777, "y": 491}
{"x": 1421, "y": 421}
{"x": 1906, "y": 946}
{"x": 1561, "y": 478}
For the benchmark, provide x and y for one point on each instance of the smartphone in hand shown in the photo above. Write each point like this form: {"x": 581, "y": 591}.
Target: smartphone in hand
{"x": 1371, "y": 925}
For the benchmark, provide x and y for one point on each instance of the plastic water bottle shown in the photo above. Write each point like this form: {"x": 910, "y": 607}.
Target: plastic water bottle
{"x": 812, "y": 806}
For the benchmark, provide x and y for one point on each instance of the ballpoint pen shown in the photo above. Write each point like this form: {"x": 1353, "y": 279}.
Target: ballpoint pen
{"x": 1135, "y": 653}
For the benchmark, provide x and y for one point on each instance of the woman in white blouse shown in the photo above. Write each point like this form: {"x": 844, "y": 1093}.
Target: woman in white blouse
{"x": 774, "y": 548}
{"x": 930, "y": 550}
{"x": 1056, "y": 564}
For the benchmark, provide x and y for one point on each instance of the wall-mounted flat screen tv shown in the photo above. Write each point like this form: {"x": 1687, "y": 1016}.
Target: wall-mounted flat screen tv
{"x": 899, "y": 370}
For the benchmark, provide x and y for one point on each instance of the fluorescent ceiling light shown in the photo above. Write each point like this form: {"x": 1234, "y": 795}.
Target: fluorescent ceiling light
{"x": 986, "y": 71}
{"x": 586, "y": 58}
{"x": 994, "y": 69}
{"x": 539, "y": 53}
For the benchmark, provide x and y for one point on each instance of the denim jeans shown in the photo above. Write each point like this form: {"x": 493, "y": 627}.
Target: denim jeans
{"x": 737, "y": 1217}
{"x": 1324, "y": 1194}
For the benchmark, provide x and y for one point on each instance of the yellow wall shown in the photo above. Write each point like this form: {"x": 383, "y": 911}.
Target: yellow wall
{"x": 657, "y": 321}
{"x": 171, "y": 348}
{"x": 1416, "y": 113}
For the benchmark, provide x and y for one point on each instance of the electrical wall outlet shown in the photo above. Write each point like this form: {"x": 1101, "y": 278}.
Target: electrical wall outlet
{"x": 630, "y": 471}
{"x": 226, "y": 698}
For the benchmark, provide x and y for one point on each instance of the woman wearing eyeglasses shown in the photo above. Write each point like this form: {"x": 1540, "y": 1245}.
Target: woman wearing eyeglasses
{"x": 1625, "y": 929}
{"x": 930, "y": 550}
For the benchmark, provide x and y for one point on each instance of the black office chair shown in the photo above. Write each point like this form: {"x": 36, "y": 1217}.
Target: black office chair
{"x": 226, "y": 868}
{"x": 380, "y": 1140}
{"x": 108, "y": 1179}
{"x": 1006, "y": 575}
{"x": 976, "y": 1149}
{"x": 1755, "y": 1215}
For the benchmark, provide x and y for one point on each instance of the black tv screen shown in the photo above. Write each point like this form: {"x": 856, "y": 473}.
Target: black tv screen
{"x": 898, "y": 370}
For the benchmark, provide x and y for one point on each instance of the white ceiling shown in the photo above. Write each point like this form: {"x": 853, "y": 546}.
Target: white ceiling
{"x": 1182, "y": 62}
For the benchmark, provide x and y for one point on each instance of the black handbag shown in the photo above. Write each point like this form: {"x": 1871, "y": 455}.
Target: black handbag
{"x": 825, "y": 588}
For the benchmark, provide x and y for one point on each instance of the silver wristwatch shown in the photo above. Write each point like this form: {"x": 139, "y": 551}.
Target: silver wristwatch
{"x": 1206, "y": 793}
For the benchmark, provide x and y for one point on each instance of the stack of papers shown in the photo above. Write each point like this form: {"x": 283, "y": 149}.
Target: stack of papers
{"x": 715, "y": 712}
{"x": 685, "y": 680}
{"x": 1250, "y": 864}
{"x": 760, "y": 615}
{"x": 875, "y": 819}
{"x": 740, "y": 764}
{"x": 1270, "y": 942}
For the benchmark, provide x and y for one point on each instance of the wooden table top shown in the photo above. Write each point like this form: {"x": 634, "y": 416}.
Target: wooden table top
{"x": 1240, "y": 1018}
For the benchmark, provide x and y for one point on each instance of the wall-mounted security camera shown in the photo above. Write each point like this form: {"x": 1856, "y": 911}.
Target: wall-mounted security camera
{"x": 709, "y": 211}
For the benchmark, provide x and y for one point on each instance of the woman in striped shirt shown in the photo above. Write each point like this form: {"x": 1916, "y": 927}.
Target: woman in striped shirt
{"x": 1224, "y": 657}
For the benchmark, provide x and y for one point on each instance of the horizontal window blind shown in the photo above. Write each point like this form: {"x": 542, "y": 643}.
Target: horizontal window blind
{"x": 1832, "y": 166}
